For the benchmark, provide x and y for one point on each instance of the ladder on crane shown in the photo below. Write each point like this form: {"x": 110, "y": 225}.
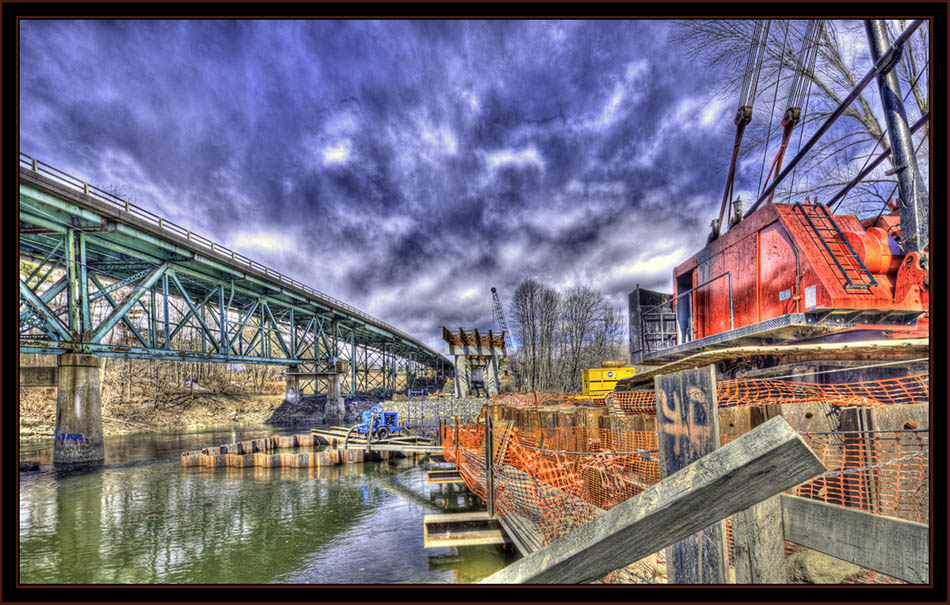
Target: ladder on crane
{"x": 838, "y": 248}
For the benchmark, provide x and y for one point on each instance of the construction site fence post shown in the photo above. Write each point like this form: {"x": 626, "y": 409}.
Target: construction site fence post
{"x": 687, "y": 430}
{"x": 489, "y": 478}
{"x": 458, "y": 463}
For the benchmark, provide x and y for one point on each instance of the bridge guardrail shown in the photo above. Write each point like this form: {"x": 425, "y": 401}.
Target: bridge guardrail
{"x": 126, "y": 206}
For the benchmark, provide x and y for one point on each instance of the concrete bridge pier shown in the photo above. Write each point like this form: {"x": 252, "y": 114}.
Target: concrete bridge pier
{"x": 292, "y": 385}
{"x": 78, "y": 435}
{"x": 335, "y": 410}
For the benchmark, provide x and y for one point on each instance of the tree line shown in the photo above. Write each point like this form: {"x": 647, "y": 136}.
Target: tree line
{"x": 561, "y": 334}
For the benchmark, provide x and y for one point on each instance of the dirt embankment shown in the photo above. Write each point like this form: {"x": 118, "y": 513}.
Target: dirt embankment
{"x": 177, "y": 411}
{"x": 190, "y": 410}
{"x": 197, "y": 408}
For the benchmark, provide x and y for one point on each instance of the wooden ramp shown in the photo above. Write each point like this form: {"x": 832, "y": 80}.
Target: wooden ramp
{"x": 461, "y": 529}
{"x": 444, "y": 476}
{"x": 524, "y": 533}
{"x": 337, "y": 435}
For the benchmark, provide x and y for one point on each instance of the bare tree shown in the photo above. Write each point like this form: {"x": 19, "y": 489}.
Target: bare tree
{"x": 535, "y": 308}
{"x": 580, "y": 308}
{"x": 562, "y": 335}
{"x": 853, "y": 139}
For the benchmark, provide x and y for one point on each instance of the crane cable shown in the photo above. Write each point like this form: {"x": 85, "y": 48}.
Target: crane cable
{"x": 768, "y": 134}
{"x": 750, "y": 83}
{"x": 806, "y": 61}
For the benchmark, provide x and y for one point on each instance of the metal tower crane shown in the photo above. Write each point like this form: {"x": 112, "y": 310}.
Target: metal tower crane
{"x": 499, "y": 318}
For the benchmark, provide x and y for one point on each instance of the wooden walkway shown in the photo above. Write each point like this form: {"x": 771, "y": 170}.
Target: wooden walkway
{"x": 337, "y": 436}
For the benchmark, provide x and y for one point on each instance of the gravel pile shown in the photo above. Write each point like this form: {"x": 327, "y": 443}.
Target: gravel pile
{"x": 446, "y": 407}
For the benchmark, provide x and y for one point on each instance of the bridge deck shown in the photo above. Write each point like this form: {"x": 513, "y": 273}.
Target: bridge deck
{"x": 101, "y": 263}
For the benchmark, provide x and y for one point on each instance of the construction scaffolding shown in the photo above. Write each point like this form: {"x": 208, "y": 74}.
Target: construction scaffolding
{"x": 557, "y": 466}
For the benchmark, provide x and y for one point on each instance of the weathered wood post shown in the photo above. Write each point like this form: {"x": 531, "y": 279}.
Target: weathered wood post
{"x": 688, "y": 429}
{"x": 759, "y": 543}
{"x": 458, "y": 463}
{"x": 489, "y": 478}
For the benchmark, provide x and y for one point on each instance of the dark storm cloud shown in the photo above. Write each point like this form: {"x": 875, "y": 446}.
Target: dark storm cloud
{"x": 404, "y": 167}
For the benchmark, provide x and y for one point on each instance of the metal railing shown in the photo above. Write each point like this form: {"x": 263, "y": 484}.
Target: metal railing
{"x": 132, "y": 209}
{"x": 671, "y": 302}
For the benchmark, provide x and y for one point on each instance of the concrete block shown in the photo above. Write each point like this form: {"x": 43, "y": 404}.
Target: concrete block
{"x": 352, "y": 456}
{"x": 287, "y": 460}
{"x": 189, "y": 459}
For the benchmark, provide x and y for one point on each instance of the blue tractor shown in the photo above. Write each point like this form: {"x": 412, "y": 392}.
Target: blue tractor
{"x": 379, "y": 423}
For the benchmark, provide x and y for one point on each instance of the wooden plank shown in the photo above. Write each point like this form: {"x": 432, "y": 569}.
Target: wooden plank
{"x": 530, "y": 532}
{"x": 452, "y": 476}
{"x": 489, "y": 466}
{"x": 897, "y": 417}
{"x": 892, "y": 546}
{"x": 758, "y": 465}
{"x": 893, "y": 349}
{"x": 516, "y": 534}
{"x": 501, "y": 445}
{"x": 687, "y": 430}
{"x": 759, "y": 544}
{"x": 461, "y": 529}
{"x": 903, "y": 418}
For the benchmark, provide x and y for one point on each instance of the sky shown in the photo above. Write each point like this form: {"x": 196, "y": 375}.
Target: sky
{"x": 404, "y": 167}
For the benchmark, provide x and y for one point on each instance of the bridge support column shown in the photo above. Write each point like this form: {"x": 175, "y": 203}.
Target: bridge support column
{"x": 461, "y": 376}
{"x": 292, "y": 385}
{"x": 335, "y": 410}
{"x": 78, "y": 436}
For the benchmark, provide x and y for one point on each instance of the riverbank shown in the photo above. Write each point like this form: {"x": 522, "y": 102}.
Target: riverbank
{"x": 189, "y": 410}
{"x": 192, "y": 410}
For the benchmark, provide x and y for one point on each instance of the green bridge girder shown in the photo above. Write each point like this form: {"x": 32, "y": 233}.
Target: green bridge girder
{"x": 100, "y": 275}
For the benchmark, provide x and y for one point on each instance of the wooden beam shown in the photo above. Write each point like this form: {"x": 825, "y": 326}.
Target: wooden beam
{"x": 461, "y": 529}
{"x": 758, "y": 465}
{"x": 688, "y": 429}
{"x": 891, "y": 349}
{"x": 759, "y": 544}
{"x": 446, "y": 476}
{"x": 892, "y": 546}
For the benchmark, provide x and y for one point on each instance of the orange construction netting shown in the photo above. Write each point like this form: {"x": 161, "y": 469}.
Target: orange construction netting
{"x": 552, "y": 480}
{"x": 746, "y": 392}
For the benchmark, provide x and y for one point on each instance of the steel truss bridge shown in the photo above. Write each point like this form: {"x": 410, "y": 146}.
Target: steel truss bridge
{"x": 103, "y": 276}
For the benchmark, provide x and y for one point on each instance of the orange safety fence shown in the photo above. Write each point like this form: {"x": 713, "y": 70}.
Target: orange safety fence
{"x": 882, "y": 472}
{"x": 752, "y": 392}
{"x": 553, "y": 489}
{"x": 556, "y": 479}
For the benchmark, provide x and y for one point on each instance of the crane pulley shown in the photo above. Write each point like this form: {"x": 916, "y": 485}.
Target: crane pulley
{"x": 750, "y": 83}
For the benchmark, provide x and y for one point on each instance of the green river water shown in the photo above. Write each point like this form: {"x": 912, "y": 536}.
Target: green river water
{"x": 143, "y": 519}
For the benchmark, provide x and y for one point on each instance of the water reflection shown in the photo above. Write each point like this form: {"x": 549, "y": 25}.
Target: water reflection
{"x": 148, "y": 447}
{"x": 471, "y": 564}
{"x": 161, "y": 523}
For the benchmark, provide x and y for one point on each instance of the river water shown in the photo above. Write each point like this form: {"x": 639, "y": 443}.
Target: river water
{"x": 143, "y": 519}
